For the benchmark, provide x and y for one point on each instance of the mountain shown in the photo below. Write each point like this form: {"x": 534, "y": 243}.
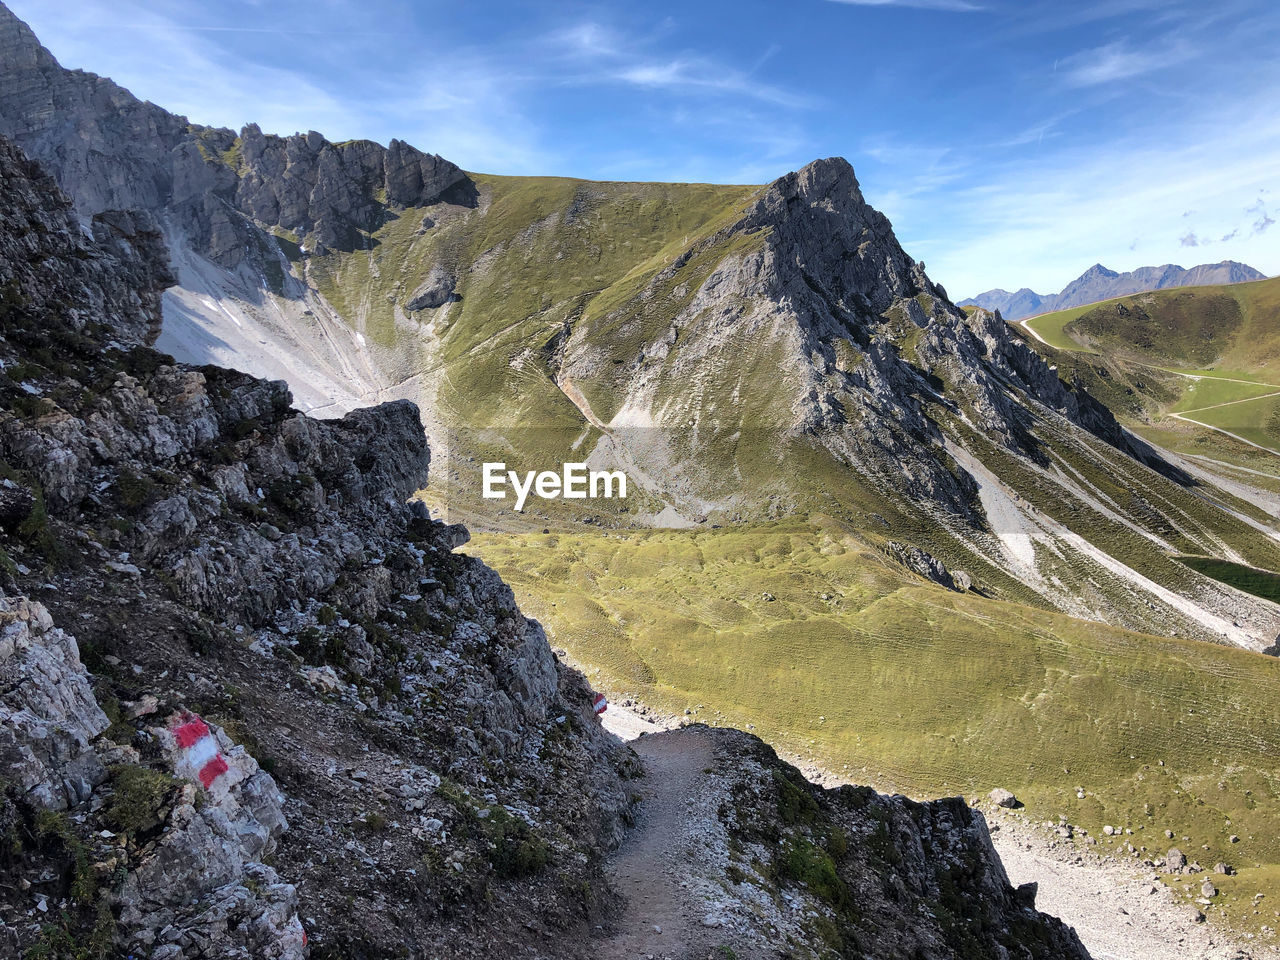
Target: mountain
{"x": 1023, "y": 302}
{"x": 840, "y": 480}
{"x": 742, "y": 352}
{"x": 1098, "y": 283}
{"x": 293, "y": 722}
{"x": 1196, "y": 368}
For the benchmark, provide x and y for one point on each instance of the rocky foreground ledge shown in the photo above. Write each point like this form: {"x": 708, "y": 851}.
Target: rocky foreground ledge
{"x": 252, "y": 704}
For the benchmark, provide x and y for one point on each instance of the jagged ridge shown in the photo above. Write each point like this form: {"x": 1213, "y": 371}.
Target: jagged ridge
{"x": 126, "y": 154}
{"x": 1098, "y": 283}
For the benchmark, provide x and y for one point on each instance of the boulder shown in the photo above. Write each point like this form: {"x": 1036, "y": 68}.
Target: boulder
{"x": 436, "y": 291}
{"x": 1003, "y": 798}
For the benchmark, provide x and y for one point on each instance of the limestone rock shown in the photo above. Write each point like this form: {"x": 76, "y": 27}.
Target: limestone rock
{"x": 215, "y": 185}
{"x": 436, "y": 291}
{"x": 48, "y": 713}
{"x": 931, "y": 568}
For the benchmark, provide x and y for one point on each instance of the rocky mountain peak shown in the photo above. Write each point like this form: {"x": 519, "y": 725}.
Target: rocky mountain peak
{"x": 828, "y": 177}
{"x": 207, "y": 183}
{"x": 825, "y": 236}
{"x": 823, "y": 187}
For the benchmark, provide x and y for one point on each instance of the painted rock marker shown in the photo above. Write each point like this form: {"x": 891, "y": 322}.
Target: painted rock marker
{"x": 201, "y": 758}
{"x": 599, "y": 704}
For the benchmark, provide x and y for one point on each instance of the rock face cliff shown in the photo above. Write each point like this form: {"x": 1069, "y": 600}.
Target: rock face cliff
{"x": 253, "y": 705}
{"x": 111, "y": 151}
{"x": 867, "y": 355}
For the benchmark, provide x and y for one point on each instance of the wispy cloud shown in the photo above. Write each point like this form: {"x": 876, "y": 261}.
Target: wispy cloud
{"x": 1119, "y": 61}
{"x": 1191, "y": 240}
{"x": 1038, "y": 131}
{"x": 687, "y": 75}
{"x": 602, "y": 54}
{"x": 952, "y": 6}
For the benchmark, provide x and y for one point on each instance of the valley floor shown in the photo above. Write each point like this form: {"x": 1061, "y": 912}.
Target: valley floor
{"x": 1119, "y": 912}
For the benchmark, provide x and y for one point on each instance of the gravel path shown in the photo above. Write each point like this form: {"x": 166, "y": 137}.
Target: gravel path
{"x": 649, "y": 869}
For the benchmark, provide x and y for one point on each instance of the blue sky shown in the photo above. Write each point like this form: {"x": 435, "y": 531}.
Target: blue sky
{"x": 1011, "y": 143}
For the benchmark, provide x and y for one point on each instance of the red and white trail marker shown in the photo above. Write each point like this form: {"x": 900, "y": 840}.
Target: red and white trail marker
{"x": 200, "y": 754}
{"x": 599, "y": 704}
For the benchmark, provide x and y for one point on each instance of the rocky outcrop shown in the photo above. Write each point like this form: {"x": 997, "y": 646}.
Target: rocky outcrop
{"x": 928, "y": 566}
{"x": 48, "y": 714}
{"x": 111, "y": 151}
{"x": 183, "y": 866}
{"x": 112, "y": 278}
{"x": 330, "y": 192}
{"x": 203, "y": 881}
{"x": 215, "y": 550}
{"x": 436, "y": 291}
{"x": 863, "y": 874}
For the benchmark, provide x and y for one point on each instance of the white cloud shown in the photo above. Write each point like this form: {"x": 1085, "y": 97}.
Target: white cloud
{"x": 695, "y": 76}
{"x": 601, "y": 55}
{"x": 1119, "y": 61}
{"x": 953, "y": 6}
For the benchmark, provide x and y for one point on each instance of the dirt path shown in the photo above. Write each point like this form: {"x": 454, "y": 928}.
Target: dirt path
{"x": 1228, "y": 403}
{"x": 1026, "y": 325}
{"x": 1227, "y": 433}
{"x": 661, "y": 919}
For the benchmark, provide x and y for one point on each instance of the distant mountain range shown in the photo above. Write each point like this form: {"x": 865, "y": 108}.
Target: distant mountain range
{"x": 1099, "y": 283}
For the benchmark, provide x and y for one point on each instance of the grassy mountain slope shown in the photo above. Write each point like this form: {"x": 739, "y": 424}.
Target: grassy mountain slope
{"x": 661, "y": 328}
{"x": 1208, "y": 355}
{"x": 1231, "y": 328}
{"x": 534, "y": 253}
